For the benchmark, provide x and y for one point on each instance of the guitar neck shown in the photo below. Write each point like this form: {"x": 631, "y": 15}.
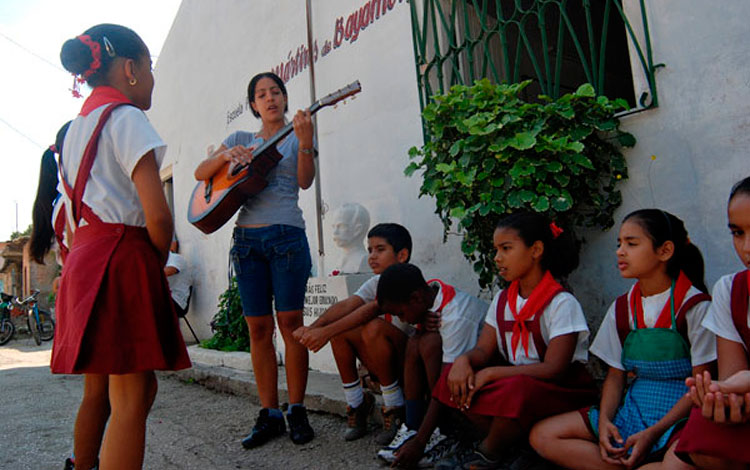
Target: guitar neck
{"x": 283, "y": 132}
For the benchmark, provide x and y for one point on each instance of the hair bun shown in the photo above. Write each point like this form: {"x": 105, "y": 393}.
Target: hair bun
{"x": 75, "y": 56}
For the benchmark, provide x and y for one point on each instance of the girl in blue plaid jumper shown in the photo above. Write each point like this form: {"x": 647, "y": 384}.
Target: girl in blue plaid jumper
{"x": 652, "y": 338}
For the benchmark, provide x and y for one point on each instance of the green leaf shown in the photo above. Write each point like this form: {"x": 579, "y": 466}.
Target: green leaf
{"x": 445, "y": 167}
{"x": 455, "y": 148}
{"x": 567, "y": 112}
{"x": 562, "y": 179}
{"x": 586, "y": 90}
{"x": 626, "y": 139}
{"x": 523, "y": 141}
{"x": 583, "y": 160}
{"x": 526, "y": 196}
{"x": 522, "y": 168}
{"x": 409, "y": 170}
{"x": 553, "y": 166}
{"x": 458, "y": 212}
{"x": 541, "y": 204}
{"x": 562, "y": 203}
{"x": 514, "y": 200}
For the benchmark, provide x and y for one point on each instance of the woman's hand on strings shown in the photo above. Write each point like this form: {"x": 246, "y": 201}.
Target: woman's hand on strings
{"x": 303, "y": 129}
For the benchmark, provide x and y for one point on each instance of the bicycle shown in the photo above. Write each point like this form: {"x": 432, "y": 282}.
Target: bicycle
{"x": 7, "y": 328}
{"x": 40, "y": 322}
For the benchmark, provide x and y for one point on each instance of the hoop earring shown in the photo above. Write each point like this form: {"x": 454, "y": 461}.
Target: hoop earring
{"x": 133, "y": 81}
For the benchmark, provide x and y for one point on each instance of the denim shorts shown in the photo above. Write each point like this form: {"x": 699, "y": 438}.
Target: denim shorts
{"x": 271, "y": 262}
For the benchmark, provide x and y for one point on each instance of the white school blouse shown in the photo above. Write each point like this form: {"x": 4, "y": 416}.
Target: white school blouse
{"x": 719, "y": 317}
{"x": 607, "y": 344}
{"x": 461, "y": 320}
{"x": 563, "y": 315}
{"x": 126, "y": 138}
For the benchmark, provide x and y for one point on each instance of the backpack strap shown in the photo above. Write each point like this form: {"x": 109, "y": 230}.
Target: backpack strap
{"x": 681, "y": 318}
{"x": 622, "y": 317}
{"x": 75, "y": 193}
{"x": 739, "y": 304}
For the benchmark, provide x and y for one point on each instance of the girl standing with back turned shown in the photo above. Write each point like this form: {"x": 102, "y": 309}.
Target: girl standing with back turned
{"x": 114, "y": 310}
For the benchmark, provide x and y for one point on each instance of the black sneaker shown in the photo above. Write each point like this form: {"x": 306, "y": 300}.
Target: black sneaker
{"x": 69, "y": 464}
{"x": 299, "y": 428}
{"x": 356, "y": 418}
{"x": 265, "y": 429}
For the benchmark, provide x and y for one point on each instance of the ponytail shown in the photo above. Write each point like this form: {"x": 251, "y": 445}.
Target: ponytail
{"x": 661, "y": 226}
{"x": 42, "y": 230}
{"x": 560, "y": 255}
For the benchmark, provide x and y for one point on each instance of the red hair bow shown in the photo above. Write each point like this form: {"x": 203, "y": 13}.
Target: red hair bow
{"x": 96, "y": 53}
{"x": 556, "y": 231}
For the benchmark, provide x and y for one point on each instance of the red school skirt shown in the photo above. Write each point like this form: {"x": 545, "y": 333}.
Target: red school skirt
{"x": 723, "y": 441}
{"x": 114, "y": 309}
{"x": 527, "y": 399}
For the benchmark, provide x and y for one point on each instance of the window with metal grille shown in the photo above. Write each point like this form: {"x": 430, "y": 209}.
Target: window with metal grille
{"x": 558, "y": 44}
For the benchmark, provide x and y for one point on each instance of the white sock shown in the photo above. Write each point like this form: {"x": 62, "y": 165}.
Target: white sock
{"x": 392, "y": 395}
{"x": 354, "y": 394}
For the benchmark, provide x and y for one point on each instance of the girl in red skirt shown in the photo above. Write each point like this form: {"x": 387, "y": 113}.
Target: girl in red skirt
{"x": 717, "y": 434}
{"x": 49, "y": 227}
{"x": 652, "y": 339}
{"x": 115, "y": 316}
{"x": 539, "y": 330}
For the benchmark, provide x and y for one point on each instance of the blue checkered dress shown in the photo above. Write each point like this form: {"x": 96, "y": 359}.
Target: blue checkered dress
{"x": 658, "y": 386}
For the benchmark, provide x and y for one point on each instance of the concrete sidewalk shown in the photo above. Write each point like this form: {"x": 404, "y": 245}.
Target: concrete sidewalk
{"x": 231, "y": 372}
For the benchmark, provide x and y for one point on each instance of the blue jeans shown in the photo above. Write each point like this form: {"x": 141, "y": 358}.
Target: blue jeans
{"x": 271, "y": 262}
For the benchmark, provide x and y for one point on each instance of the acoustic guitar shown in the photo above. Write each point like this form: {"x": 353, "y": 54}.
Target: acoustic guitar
{"x": 216, "y": 200}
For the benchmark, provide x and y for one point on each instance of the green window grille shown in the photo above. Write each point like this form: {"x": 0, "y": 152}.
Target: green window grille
{"x": 558, "y": 44}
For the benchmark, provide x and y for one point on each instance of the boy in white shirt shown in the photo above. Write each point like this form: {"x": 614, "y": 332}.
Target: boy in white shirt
{"x": 403, "y": 291}
{"x": 358, "y": 329}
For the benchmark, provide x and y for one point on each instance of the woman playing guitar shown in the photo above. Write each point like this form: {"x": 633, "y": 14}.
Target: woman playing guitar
{"x": 271, "y": 255}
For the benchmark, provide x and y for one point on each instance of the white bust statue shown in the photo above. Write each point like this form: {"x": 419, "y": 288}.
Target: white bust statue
{"x": 350, "y": 224}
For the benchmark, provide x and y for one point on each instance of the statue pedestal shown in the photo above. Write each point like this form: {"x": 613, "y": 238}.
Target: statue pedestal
{"x": 321, "y": 293}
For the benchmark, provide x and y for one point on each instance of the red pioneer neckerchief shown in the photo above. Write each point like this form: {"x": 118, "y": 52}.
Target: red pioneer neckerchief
{"x": 540, "y": 297}
{"x": 682, "y": 286}
{"x": 100, "y": 96}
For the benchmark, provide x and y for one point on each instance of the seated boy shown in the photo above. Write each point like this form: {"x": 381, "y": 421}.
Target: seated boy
{"x": 403, "y": 291}
{"x": 356, "y": 329}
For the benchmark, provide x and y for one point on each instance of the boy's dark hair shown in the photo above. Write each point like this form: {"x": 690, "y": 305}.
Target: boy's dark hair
{"x": 560, "y": 252}
{"x": 42, "y": 230}
{"x": 254, "y": 83}
{"x": 661, "y": 226}
{"x": 740, "y": 187}
{"x": 398, "y": 282}
{"x": 113, "y": 40}
{"x": 396, "y": 235}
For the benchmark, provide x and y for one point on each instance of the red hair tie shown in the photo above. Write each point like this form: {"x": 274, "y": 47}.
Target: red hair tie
{"x": 96, "y": 63}
{"x": 556, "y": 231}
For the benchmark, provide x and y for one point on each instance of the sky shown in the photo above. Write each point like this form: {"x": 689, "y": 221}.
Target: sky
{"x": 35, "y": 97}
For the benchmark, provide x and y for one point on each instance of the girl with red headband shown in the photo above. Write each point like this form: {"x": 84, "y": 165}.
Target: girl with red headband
{"x": 540, "y": 333}
{"x": 116, "y": 323}
{"x": 652, "y": 339}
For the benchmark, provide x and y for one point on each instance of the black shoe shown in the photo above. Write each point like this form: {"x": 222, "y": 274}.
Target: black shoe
{"x": 265, "y": 429}
{"x": 299, "y": 428}
{"x": 69, "y": 464}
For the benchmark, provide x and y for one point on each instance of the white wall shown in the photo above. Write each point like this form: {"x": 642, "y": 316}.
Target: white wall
{"x": 209, "y": 57}
{"x": 699, "y": 136}
{"x": 699, "y": 133}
